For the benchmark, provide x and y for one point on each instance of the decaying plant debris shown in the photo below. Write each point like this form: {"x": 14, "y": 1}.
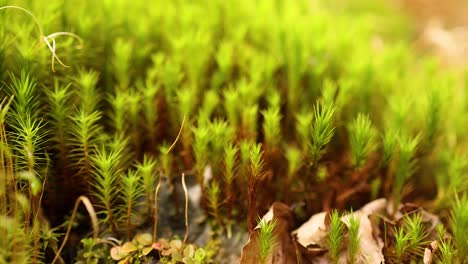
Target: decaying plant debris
{"x": 309, "y": 242}
{"x": 174, "y": 125}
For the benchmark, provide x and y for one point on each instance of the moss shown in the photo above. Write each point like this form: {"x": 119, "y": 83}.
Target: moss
{"x": 307, "y": 102}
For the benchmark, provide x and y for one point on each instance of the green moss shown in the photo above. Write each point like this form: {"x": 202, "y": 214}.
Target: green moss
{"x": 284, "y": 103}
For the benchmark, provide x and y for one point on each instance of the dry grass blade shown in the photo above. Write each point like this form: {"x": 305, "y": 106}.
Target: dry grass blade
{"x": 184, "y": 186}
{"x": 178, "y": 135}
{"x": 43, "y": 38}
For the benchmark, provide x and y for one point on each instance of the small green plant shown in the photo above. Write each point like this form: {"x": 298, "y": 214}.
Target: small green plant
{"x": 445, "y": 246}
{"x": 451, "y": 179}
{"x": 401, "y": 240}
{"x": 221, "y": 134}
{"x": 230, "y": 172}
{"x": 362, "y": 139}
{"x": 267, "y": 239}
{"x": 213, "y": 192}
{"x": 335, "y": 236}
{"x": 405, "y": 166}
{"x": 354, "y": 240}
{"x": 322, "y": 129}
{"x": 200, "y": 149}
{"x": 150, "y": 91}
{"x": 106, "y": 174}
{"x": 92, "y": 251}
{"x": 60, "y": 101}
{"x": 174, "y": 252}
{"x": 459, "y": 226}
{"x": 118, "y": 101}
{"x": 256, "y": 174}
{"x": 303, "y": 121}
{"x": 132, "y": 192}
{"x": 84, "y": 131}
{"x": 249, "y": 122}
{"x": 136, "y": 250}
{"x": 147, "y": 170}
{"x": 272, "y": 128}
{"x": 390, "y": 144}
{"x": 223, "y": 84}
{"x": 295, "y": 161}
{"x": 409, "y": 238}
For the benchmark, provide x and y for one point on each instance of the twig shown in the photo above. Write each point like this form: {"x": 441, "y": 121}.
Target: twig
{"x": 92, "y": 214}
{"x": 156, "y": 191}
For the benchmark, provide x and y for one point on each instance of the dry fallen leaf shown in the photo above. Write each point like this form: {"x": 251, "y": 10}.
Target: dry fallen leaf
{"x": 429, "y": 252}
{"x": 429, "y": 220}
{"x": 314, "y": 232}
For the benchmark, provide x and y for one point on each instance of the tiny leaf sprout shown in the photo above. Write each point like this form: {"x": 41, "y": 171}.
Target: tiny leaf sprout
{"x": 49, "y": 40}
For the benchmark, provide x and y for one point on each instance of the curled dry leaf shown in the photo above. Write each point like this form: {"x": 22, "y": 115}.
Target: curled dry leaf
{"x": 429, "y": 252}
{"x": 427, "y": 259}
{"x": 310, "y": 242}
{"x": 429, "y": 220}
{"x": 312, "y": 234}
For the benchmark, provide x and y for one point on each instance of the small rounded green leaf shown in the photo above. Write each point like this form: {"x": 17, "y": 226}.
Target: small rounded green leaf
{"x": 176, "y": 244}
{"x": 189, "y": 251}
{"x": 146, "y": 250}
{"x": 117, "y": 253}
{"x": 144, "y": 239}
{"x": 125, "y": 260}
{"x": 177, "y": 256}
{"x": 129, "y": 247}
{"x": 188, "y": 260}
{"x": 200, "y": 255}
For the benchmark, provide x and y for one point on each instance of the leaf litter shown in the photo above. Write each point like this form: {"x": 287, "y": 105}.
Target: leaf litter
{"x": 307, "y": 243}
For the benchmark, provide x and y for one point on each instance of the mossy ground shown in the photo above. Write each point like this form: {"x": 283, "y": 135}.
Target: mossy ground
{"x": 319, "y": 104}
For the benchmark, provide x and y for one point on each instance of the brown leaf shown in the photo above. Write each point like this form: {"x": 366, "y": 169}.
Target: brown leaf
{"x": 430, "y": 251}
{"x": 312, "y": 232}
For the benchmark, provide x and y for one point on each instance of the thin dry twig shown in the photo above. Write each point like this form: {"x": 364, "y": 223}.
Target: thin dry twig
{"x": 156, "y": 191}
{"x": 92, "y": 214}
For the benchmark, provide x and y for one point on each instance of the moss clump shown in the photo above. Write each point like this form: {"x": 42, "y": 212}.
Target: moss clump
{"x": 317, "y": 101}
